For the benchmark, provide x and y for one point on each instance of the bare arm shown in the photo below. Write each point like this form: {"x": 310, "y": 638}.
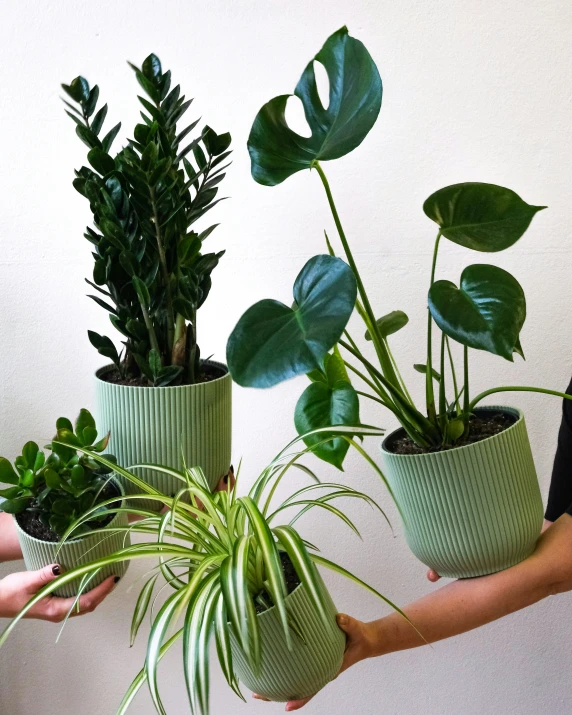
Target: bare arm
{"x": 464, "y": 605}
{"x": 9, "y": 544}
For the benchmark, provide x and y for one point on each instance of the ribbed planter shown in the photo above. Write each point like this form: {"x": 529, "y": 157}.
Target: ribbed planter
{"x": 292, "y": 674}
{"x": 472, "y": 510}
{"x": 76, "y": 552}
{"x": 157, "y": 425}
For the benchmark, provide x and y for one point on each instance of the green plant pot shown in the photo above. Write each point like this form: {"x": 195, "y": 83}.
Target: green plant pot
{"x": 289, "y": 675}
{"x": 77, "y": 552}
{"x": 161, "y": 425}
{"x": 472, "y": 510}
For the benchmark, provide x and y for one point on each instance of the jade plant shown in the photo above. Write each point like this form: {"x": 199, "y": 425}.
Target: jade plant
{"x": 484, "y": 311}
{"x": 221, "y": 557}
{"x": 150, "y": 271}
{"x": 60, "y": 488}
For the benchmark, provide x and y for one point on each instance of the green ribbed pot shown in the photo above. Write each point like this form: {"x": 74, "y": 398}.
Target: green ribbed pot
{"x": 289, "y": 675}
{"x": 156, "y": 425}
{"x": 472, "y": 510}
{"x": 76, "y": 552}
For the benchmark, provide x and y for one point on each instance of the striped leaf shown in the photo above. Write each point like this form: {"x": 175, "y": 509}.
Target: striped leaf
{"x": 141, "y": 607}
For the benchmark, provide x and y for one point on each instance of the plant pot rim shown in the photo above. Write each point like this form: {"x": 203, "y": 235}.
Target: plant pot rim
{"x": 515, "y": 411}
{"x": 197, "y": 386}
{"x": 79, "y": 539}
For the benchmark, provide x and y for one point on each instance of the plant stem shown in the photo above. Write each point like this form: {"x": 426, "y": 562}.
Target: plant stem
{"x": 371, "y": 384}
{"x": 371, "y": 397}
{"x": 453, "y": 374}
{"x": 150, "y": 328}
{"x": 429, "y": 391}
{"x": 517, "y": 388}
{"x": 164, "y": 273}
{"x": 442, "y": 396}
{"x": 466, "y": 403}
{"x": 385, "y": 362}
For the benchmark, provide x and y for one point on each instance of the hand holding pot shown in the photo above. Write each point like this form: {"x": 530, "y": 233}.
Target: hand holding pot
{"x": 17, "y": 589}
{"x": 358, "y": 648}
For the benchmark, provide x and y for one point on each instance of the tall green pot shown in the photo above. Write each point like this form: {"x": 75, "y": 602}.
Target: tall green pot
{"x": 292, "y": 674}
{"x": 77, "y": 552}
{"x": 161, "y": 425}
{"x": 472, "y": 510}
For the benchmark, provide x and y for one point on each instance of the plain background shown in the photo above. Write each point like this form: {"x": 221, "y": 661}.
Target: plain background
{"x": 474, "y": 91}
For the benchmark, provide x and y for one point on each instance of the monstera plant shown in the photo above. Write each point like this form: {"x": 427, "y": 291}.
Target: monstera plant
{"x": 485, "y": 310}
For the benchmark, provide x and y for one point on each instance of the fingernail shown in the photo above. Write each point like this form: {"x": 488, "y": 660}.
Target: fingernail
{"x": 225, "y": 479}
{"x": 342, "y": 620}
{"x": 231, "y": 470}
{"x": 116, "y": 579}
{"x": 56, "y": 570}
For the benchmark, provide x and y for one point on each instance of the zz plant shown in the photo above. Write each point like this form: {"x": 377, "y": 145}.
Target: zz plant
{"x": 150, "y": 269}
{"x": 219, "y": 559}
{"x": 484, "y": 311}
{"x": 60, "y": 488}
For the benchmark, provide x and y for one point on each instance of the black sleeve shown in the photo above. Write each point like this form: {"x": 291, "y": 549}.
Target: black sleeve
{"x": 560, "y": 495}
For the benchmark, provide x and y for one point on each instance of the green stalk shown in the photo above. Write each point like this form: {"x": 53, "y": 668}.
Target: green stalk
{"x": 453, "y": 374}
{"x": 149, "y": 325}
{"x": 517, "y": 388}
{"x": 442, "y": 396}
{"x": 385, "y": 362}
{"x": 382, "y": 394}
{"x": 466, "y": 403}
{"x": 429, "y": 391}
{"x": 164, "y": 272}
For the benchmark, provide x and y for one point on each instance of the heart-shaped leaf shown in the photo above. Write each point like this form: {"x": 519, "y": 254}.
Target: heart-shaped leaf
{"x": 272, "y": 342}
{"x": 277, "y": 152}
{"x": 484, "y": 217}
{"x": 487, "y": 312}
{"x": 390, "y": 323}
{"x": 321, "y": 405}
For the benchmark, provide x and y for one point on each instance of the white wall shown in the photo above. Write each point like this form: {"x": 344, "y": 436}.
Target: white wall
{"x": 474, "y": 91}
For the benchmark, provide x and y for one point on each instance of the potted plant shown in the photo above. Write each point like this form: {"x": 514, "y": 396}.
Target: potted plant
{"x": 47, "y": 495}
{"x": 158, "y": 397}
{"x": 463, "y": 476}
{"x": 236, "y": 572}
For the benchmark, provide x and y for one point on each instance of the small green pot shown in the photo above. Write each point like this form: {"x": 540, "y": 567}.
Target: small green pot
{"x": 77, "y": 552}
{"x": 290, "y": 675}
{"x": 472, "y": 510}
{"x": 161, "y": 425}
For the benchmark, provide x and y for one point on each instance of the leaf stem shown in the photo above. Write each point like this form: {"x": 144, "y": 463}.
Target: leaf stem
{"x": 429, "y": 391}
{"x": 453, "y": 374}
{"x": 164, "y": 272}
{"x": 517, "y": 388}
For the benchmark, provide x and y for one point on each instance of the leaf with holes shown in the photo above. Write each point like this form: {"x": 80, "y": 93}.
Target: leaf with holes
{"x": 487, "y": 312}
{"x": 277, "y": 152}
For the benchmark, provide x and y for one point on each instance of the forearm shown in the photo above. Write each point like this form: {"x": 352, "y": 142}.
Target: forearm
{"x": 464, "y": 605}
{"x": 9, "y": 545}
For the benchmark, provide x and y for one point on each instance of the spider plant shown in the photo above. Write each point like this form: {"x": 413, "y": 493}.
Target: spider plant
{"x": 219, "y": 559}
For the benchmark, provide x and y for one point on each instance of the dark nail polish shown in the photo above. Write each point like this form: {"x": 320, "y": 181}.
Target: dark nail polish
{"x": 56, "y": 570}
{"x": 225, "y": 479}
{"x": 116, "y": 579}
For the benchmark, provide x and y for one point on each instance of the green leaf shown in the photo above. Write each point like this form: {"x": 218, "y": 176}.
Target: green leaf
{"x": 273, "y": 342}
{"x": 486, "y": 313}
{"x": 52, "y": 479}
{"x": 390, "y": 323}
{"x": 15, "y": 506}
{"x": 7, "y": 473}
{"x": 141, "y": 607}
{"x": 85, "y": 419}
{"x": 78, "y": 89}
{"x": 484, "y": 217}
{"x": 155, "y": 362}
{"x": 334, "y": 368}
{"x": 277, "y": 152}
{"x": 87, "y": 136}
{"x": 29, "y": 452}
{"x": 27, "y": 479}
{"x": 141, "y": 290}
{"x": 104, "y": 346}
{"x": 10, "y": 493}
{"x": 88, "y": 436}
{"x": 321, "y": 405}
{"x": 92, "y": 102}
{"x": 167, "y": 375}
{"x": 101, "y": 161}
{"x": 423, "y": 370}
{"x": 107, "y": 140}
{"x": 78, "y": 477}
{"x": 151, "y": 67}
{"x": 98, "y": 120}
{"x": 64, "y": 423}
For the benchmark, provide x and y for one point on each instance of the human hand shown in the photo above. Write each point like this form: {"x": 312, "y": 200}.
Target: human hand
{"x": 433, "y": 576}
{"x": 358, "y": 647}
{"x": 17, "y": 589}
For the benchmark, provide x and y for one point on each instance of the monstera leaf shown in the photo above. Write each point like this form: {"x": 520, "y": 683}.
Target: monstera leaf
{"x": 487, "y": 312}
{"x": 483, "y": 217}
{"x": 329, "y": 400}
{"x": 277, "y": 152}
{"x": 272, "y": 342}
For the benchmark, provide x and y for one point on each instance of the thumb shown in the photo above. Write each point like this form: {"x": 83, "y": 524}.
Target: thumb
{"x": 35, "y": 580}
{"x": 350, "y": 626}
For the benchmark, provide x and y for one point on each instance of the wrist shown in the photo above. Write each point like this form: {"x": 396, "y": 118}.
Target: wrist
{"x": 377, "y": 640}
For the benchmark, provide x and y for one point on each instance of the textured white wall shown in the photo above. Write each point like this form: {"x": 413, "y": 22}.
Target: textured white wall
{"x": 474, "y": 91}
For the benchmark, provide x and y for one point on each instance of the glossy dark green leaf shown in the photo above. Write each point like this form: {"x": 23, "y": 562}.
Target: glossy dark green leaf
{"x": 277, "y": 152}
{"x": 107, "y": 140}
{"x": 10, "y": 493}
{"x": 167, "y": 375}
{"x": 321, "y": 405}
{"x": 87, "y": 136}
{"x": 78, "y": 89}
{"x": 7, "y": 473}
{"x": 390, "y": 323}
{"x": 78, "y": 477}
{"x": 101, "y": 162}
{"x": 484, "y": 217}
{"x": 151, "y": 67}
{"x": 91, "y": 103}
{"x": 487, "y": 312}
{"x": 272, "y": 342}
{"x": 52, "y": 478}
{"x": 155, "y": 362}
{"x": 104, "y": 346}
{"x": 141, "y": 290}
{"x": 98, "y": 120}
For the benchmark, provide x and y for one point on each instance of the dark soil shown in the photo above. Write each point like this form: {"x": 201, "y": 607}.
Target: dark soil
{"x": 209, "y": 372}
{"x": 29, "y": 521}
{"x": 291, "y": 577}
{"x": 481, "y": 426}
